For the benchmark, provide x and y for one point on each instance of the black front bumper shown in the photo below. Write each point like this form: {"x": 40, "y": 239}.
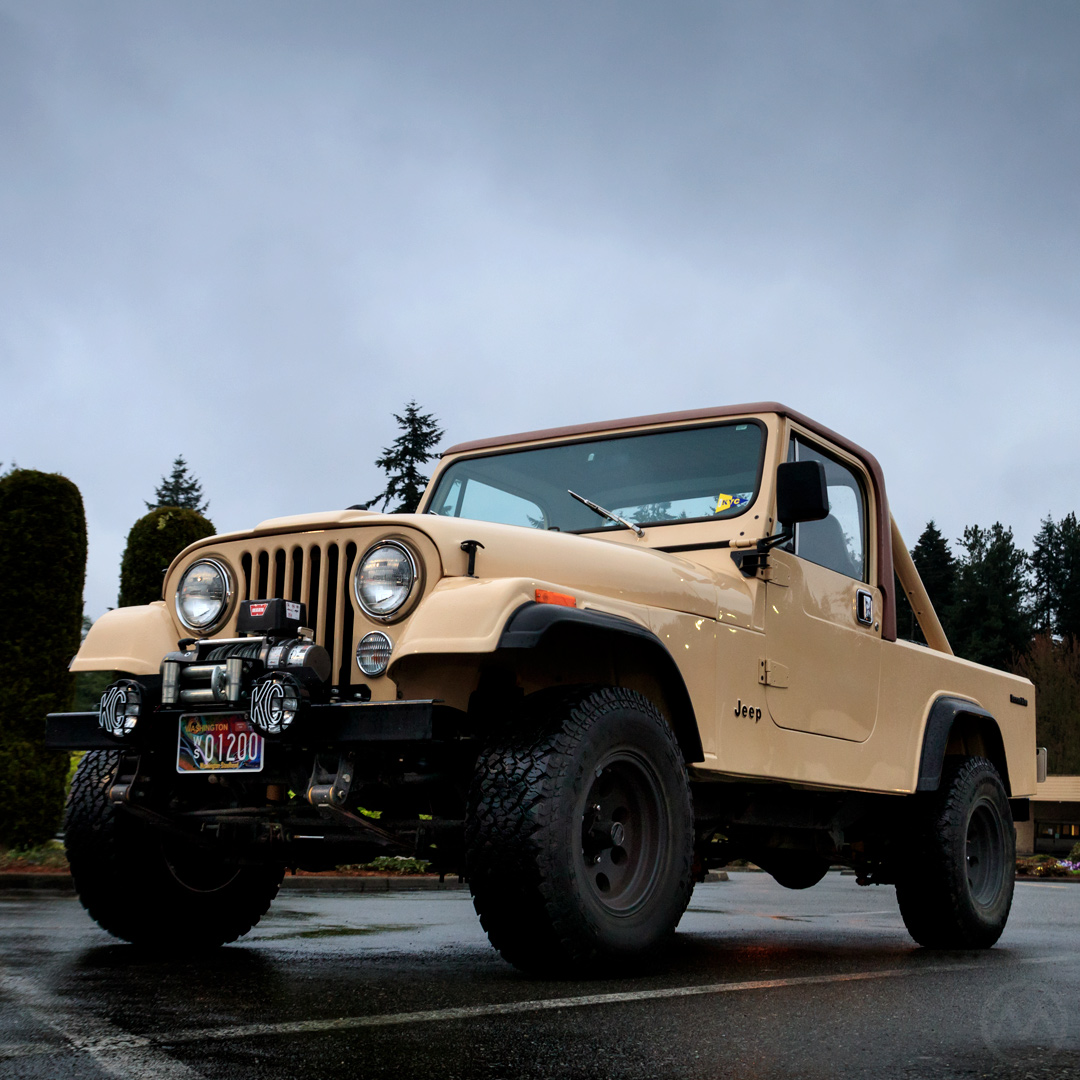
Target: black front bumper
{"x": 337, "y": 725}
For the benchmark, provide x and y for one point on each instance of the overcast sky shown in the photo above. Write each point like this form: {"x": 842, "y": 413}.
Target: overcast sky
{"x": 248, "y": 232}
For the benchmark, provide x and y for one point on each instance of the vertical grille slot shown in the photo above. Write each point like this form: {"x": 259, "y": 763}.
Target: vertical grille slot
{"x": 345, "y": 636}
{"x": 312, "y": 581}
{"x": 263, "y": 577}
{"x": 279, "y": 573}
{"x": 331, "y": 624}
{"x": 294, "y": 575}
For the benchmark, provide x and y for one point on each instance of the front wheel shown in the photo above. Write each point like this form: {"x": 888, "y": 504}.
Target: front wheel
{"x": 149, "y": 890}
{"x": 580, "y": 833}
{"x": 957, "y": 888}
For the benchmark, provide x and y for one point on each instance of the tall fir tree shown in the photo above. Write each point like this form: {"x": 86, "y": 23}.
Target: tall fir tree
{"x": 1054, "y": 668}
{"x": 1043, "y": 565}
{"x": 937, "y": 568}
{"x": 936, "y": 564}
{"x": 989, "y": 618}
{"x": 403, "y": 459}
{"x": 181, "y": 489}
{"x": 1068, "y": 581}
{"x": 1055, "y": 573}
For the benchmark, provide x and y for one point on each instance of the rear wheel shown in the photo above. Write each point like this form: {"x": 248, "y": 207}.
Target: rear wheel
{"x": 580, "y": 833}
{"x": 957, "y": 889}
{"x": 150, "y": 890}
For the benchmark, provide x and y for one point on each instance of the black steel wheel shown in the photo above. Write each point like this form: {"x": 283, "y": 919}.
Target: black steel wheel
{"x": 151, "y": 890}
{"x": 957, "y": 887}
{"x": 580, "y": 833}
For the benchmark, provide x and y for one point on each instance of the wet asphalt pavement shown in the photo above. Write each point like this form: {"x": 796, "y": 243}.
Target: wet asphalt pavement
{"x": 761, "y": 982}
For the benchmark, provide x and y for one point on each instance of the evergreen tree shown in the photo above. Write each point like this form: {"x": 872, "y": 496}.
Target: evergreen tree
{"x": 1055, "y": 572}
{"x": 989, "y": 619}
{"x": 937, "y": 568}
{"x": 1054, "y": 668}
{"x": 1043, "y": 565}
{"x": 42, "y": 572}
{"x": 402, "y": 460}
{"x": 1067, "y": 594}
{"x": 181, "y": 489}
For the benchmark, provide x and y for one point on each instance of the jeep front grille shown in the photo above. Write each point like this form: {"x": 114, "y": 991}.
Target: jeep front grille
{"x": 317, "y": 573}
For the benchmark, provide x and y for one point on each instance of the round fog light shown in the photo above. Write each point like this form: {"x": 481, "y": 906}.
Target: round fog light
{"x": 275, "y": 702}
{"x": 373, "y": 653}
{"x": 118, "y": 710}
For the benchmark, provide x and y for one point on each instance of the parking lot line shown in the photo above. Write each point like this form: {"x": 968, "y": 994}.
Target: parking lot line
{"x": 123, "y": 1050}
{"x": 114, "y": 1052}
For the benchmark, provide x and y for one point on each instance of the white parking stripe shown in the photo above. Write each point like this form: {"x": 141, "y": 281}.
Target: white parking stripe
{"x": 117, "y": 1044}
{"x": 127, "y": 1057}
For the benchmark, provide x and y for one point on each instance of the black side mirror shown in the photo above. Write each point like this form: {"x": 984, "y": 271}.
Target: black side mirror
{"x": 801, "y": 492}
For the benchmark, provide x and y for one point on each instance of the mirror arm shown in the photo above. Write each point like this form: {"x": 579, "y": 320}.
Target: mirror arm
{"x": 750, "y": 561}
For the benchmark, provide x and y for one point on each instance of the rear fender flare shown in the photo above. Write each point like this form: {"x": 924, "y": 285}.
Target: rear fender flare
{"x": 951, "y": 716}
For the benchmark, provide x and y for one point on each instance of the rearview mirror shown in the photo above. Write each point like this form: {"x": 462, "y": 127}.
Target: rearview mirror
{"x": 801, "y": 492}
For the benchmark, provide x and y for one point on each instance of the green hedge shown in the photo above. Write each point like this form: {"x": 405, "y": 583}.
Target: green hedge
{"x": 154, "y": 541}
{"x": 42, "y": 573}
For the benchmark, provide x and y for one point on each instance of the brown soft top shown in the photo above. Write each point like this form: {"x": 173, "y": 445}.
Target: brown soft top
{"x": 884, "y": 524}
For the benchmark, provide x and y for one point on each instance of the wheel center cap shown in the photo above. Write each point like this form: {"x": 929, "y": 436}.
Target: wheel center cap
{"x": 618, "y": 833}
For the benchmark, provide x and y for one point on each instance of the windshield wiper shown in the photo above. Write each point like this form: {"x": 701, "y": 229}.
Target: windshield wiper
{"x": 606, "y": 513}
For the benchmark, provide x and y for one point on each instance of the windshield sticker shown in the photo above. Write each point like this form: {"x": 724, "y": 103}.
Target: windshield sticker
{"x": 731, "y": 502}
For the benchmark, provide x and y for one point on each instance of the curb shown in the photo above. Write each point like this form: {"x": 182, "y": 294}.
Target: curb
{"x": 54, "y": 883}
{"x": 36, "y": 883}
{"x": 306, "y": 883}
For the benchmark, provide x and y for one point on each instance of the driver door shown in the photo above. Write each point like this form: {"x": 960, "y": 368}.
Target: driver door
{"x": 822, "y": 617}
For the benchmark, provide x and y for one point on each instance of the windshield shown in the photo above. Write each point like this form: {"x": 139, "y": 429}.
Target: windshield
{"x": 685, "y": 474}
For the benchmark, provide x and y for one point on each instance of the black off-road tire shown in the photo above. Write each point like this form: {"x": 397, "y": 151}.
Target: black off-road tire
{"x": 579, "y": 834}
{"x": 958, "y": 885}
{"x": 149, "y": 890}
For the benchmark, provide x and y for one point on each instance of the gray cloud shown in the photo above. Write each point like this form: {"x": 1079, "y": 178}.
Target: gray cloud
{"x": 248, "y": 232}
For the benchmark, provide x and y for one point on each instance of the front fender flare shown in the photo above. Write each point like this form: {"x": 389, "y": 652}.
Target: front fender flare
{"x": 530, "y": 625}
{"x": 132, "y": 639}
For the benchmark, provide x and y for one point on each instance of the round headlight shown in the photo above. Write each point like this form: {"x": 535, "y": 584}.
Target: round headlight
{"x": 373, "y": 653}
{"x": 384, "y": 579}
{"x": 203, "y": 594}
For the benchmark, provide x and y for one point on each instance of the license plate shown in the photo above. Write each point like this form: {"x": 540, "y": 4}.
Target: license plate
{"x": 223, "y": 743}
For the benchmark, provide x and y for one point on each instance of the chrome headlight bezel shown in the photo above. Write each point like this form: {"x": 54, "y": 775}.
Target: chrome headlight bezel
{"x": 207, "y": 626}
{"x": 388, "y": 612}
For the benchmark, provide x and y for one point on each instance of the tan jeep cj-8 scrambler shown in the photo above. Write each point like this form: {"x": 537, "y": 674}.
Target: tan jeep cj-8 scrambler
{"x": 596, "y": 662}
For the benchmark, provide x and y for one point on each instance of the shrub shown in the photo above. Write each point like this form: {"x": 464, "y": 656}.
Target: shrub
{"x": 154, "y": 541}
{"x": 391, "y": 864}
{"x": 42, "y": 572}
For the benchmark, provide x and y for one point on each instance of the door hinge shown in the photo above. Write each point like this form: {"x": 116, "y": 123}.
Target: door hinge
{"x": 770, "y": 673}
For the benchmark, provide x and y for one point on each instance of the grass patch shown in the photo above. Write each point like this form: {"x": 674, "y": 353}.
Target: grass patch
{"x": 49, "y": 857}
{"x": 390, "y": 864}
